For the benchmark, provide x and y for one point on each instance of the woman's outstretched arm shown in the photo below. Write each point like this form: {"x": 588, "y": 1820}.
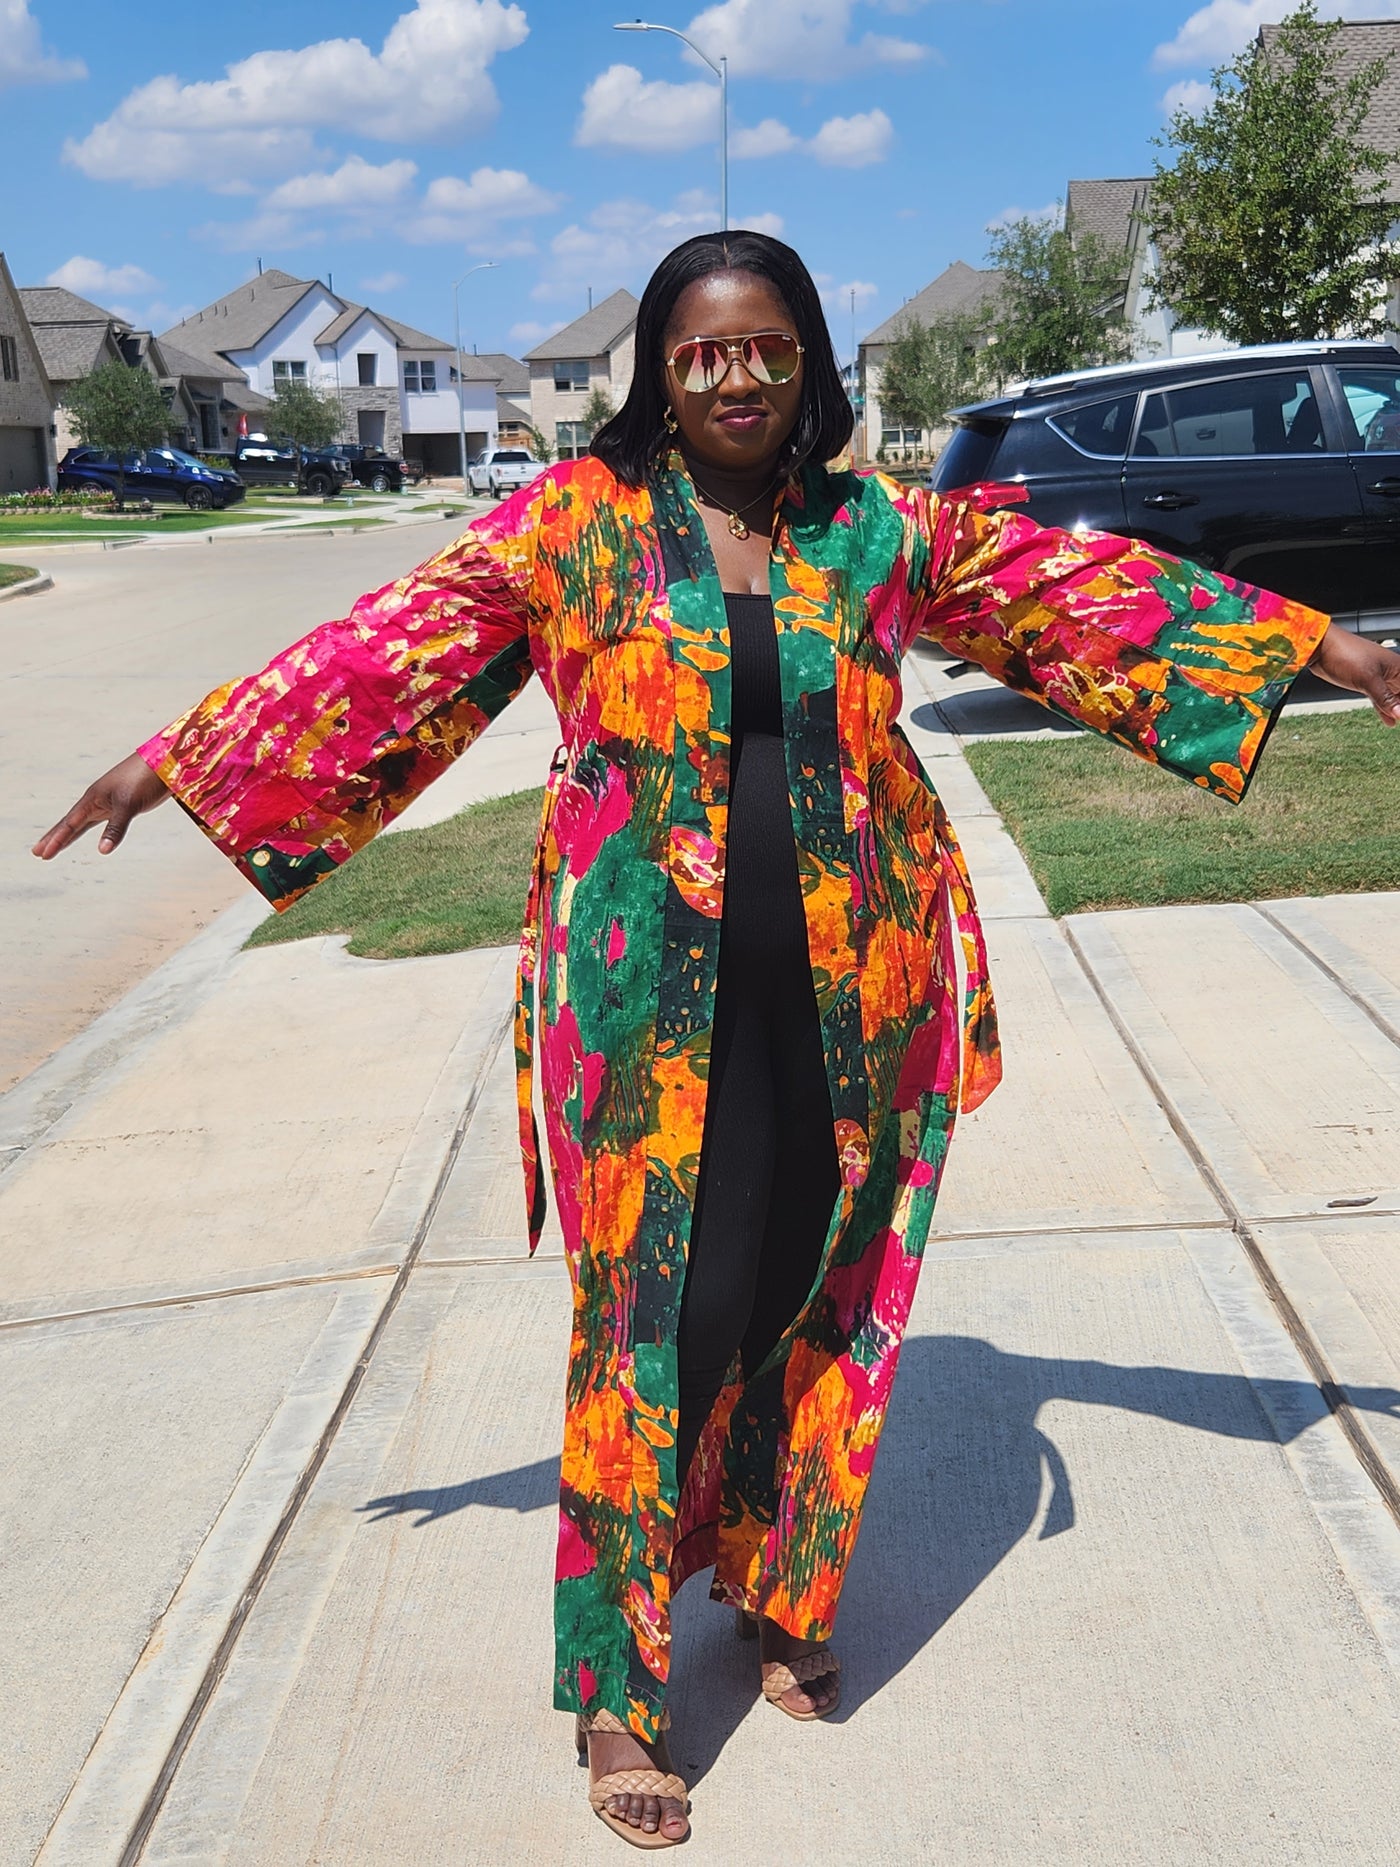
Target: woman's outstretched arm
{"x": 128, "y": 790}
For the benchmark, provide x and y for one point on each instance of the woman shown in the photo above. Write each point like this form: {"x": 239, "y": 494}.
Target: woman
{"x": 743, "y": 919}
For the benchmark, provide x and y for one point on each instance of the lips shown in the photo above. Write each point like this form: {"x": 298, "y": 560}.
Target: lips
{"x": 742, "y": 420}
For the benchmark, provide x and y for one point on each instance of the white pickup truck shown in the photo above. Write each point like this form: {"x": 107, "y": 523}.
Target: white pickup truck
{"x": 502, "y": 470}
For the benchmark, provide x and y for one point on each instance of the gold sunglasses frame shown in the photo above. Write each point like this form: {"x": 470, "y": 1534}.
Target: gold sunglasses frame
{"x": 734, "y": 350}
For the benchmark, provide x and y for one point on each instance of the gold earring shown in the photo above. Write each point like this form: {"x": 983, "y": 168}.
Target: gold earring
{"x": 671, "y": 423}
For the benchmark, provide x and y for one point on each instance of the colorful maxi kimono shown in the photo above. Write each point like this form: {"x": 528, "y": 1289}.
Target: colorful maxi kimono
{"x": 610, "y": 593}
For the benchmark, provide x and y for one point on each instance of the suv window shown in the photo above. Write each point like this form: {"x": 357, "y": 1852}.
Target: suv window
{"x": 968, "y": 455}
{"x": 1099, "y": 428}
{"x": 1241, "y": 416}
{"x": 1373, "y": 402}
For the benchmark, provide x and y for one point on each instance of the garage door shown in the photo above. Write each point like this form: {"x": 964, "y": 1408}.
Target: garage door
{"x": 21, "y": 459}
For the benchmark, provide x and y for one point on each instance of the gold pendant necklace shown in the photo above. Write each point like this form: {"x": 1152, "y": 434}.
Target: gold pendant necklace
{"x": 734, "y": 523}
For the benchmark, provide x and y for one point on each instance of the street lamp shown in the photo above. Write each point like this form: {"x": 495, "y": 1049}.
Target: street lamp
{"x": 485, "y": 266}
{"x": 721, "y": 71}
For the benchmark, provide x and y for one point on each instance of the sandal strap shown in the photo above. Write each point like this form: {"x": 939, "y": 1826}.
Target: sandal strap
{"x": 609, "y": 1722}
{"x": 800, "y": 1671}
{"x": 636, "y": 1783}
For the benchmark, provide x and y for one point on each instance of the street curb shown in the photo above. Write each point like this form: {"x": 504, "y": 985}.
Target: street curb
{"x": 308, "y": 528}
{"x": 30, "y": 587}
{"x": 163, "y": 998}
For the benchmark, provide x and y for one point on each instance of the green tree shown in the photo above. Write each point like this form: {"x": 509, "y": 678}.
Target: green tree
{"x": 538, "y": 445}
{"x": 932, "y": 368}
{"x": 596, "y": 410}
{"x": 304, "y": 416}
{"x": 122, "y": 411}
{"x": 1271, "y": 221}
{"x": 1061, "y": 304}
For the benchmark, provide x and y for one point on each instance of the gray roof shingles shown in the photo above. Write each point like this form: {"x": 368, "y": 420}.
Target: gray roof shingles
{"x": 958, "y": 287}
{"x": 1109, "y": 208}
{"x": 593, "y": 334}
{"x": 1360, "y": 41}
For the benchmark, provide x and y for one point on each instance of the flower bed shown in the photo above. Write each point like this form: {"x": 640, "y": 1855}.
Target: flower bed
{"x": 42, "y": 500}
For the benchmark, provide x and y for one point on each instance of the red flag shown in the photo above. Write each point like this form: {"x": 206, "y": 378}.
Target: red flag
{"x": 243, "y": 427}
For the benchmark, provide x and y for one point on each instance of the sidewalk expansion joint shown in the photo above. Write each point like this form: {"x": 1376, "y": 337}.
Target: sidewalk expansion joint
{"x": 1382, "y": 1023}
{"x": 1306, "y": 1344}
{"x": 184, "y": 1298}
{"x": 141, "y": 1829}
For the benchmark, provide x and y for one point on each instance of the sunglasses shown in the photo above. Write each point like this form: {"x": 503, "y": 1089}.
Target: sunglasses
{"x": 700, "y": 363}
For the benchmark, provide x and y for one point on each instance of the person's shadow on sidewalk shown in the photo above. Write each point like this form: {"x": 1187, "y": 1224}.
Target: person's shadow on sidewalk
{"x": 958, "y": 1484}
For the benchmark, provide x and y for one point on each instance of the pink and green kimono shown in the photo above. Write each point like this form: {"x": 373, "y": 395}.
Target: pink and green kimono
{"x": 610, "y": 594}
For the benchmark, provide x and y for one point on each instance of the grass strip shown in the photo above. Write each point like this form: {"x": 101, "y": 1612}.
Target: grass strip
{"x": 1101, "y": 829}
{"x": 451, "y": 885}
{"x": 16, "y": 573}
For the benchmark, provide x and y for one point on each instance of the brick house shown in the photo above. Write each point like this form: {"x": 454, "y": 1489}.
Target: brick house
{"x": 594, "y": 352}
{"x": 957, "y": 288}
{"x": 27, "y": 456}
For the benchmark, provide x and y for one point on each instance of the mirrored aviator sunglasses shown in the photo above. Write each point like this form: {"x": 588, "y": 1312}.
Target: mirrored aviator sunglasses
{"x": 701, "y": 362}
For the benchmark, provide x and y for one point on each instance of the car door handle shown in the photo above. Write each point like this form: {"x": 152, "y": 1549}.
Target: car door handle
{"x": 1388, "y": 489}
{"x": 1170, "y": 502}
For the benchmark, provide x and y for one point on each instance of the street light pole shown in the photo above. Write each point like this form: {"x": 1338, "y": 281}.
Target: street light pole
{"x": 485, "y": 266}
{"x": 721, "y": 71}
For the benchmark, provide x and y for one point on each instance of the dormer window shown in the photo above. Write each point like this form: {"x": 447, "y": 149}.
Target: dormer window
{"x": 420, "y": 378}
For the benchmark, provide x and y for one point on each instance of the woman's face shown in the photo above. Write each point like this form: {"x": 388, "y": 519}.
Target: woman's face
{"x": 741, "y": 422}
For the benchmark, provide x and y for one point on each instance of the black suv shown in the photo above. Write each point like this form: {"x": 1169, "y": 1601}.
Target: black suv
{"x": 1279, "y": 465}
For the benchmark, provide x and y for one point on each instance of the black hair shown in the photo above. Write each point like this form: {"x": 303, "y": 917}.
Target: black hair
{"x": 630, "y": 442}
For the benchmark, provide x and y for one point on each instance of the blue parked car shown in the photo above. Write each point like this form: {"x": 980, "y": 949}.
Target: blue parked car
{"x": 159, "y": 473}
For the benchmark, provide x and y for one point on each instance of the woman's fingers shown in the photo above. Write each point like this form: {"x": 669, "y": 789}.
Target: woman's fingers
{"x": 70, "y": 826}
{"x": 119, "y": 795}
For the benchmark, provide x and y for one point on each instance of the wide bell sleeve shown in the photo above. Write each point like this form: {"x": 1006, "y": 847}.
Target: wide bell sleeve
{"x": 292, "y": 770}
{"x": 1186, "y": 668}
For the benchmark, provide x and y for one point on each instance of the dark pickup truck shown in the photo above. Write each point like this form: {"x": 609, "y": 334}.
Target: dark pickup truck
{"x": 259, "y": 460}
{"x": 371, "y": 467}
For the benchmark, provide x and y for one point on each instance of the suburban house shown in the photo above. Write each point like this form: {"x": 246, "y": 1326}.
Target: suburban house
{"x": 76, "y": 337}
{"x": 397, "y": 386}
{"x": 1114, "y": 207}
{"x": 513, "y": 416}
{"x": 26, "y": 398}
{"x": 592, "y": 353}
{"x": 958, "y": 287}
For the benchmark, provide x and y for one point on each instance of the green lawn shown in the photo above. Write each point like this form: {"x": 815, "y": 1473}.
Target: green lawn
{"x": 1100, "y": 829}
{"x": 452, "y": 885}
{"x": 16, "y": 573}
{"x": 70, "y": 528}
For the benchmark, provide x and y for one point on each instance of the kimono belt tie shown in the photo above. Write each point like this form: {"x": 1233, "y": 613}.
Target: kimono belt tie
{"x": 981, "y": 1053}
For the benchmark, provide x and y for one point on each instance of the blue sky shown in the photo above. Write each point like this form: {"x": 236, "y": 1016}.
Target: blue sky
{"x": 154, "y": 155}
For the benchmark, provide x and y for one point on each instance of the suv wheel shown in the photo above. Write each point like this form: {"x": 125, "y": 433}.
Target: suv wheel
{"x": 198, "y": 498}
{"x": 321, "y": 484}
{"x": 381, "y": 483}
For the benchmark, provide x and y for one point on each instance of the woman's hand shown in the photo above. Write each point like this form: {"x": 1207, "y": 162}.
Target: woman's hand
{"x": 118, "y": 795}
{"x": 1349, "y": 660}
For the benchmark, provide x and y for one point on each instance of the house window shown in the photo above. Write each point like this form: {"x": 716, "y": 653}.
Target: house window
{"x": 420, "y": 378}
{"x": 284, "y": 370}
{"x": 900, "y": 437}
{"x": 571, "y": 374}
{"x": 571, "y": 439}
{"x": 365, "y": 361}
{"x": 9, "y": 359}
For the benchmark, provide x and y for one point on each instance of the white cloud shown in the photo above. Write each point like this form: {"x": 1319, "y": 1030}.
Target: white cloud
{"x": 89, "y": 278}
{"x": 356, "y": 185}
{"x": 795, "y": 39}
{"x": 1217, "y": 31}
{"x": 769, "y": 138}
{"x": 839, "y": 296}
{"x": 1192, "y": 95}
{"x": 1053, "y": 214}
{"x": 625, "y": 111}
{"x": 429, "y": 79}
{"x": 623, "y": 239}
{"x": 260, "y": 233}
{"x": 853, "y": 142}
{"x": 384, "y": 282}
{"x": 23, "y": 59}
{"x": 468, "y": 212}
{"x": 530, "y": 332}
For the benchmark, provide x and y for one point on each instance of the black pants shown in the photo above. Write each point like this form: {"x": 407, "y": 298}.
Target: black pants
{"x": 768, "y": 1176}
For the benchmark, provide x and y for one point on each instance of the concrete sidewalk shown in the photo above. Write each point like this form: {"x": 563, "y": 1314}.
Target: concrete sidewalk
{"x": 285, "y": 1399}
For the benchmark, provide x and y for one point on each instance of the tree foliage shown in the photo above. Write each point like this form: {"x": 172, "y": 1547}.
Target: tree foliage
{"x": 932, "y": 368}
{"x": 539, "y": 444}
{"x": 1271, "y": 222}
{"x": 121, "y": 410}
{"x": 305, "y": 416}
{"x": 1061, "y": 303}
{"x": 596, "y": 410}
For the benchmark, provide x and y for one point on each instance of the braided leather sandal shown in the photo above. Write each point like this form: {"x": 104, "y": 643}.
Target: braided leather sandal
{"x": 818, "y": 1664}
{"x": 602, "y": 1789}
